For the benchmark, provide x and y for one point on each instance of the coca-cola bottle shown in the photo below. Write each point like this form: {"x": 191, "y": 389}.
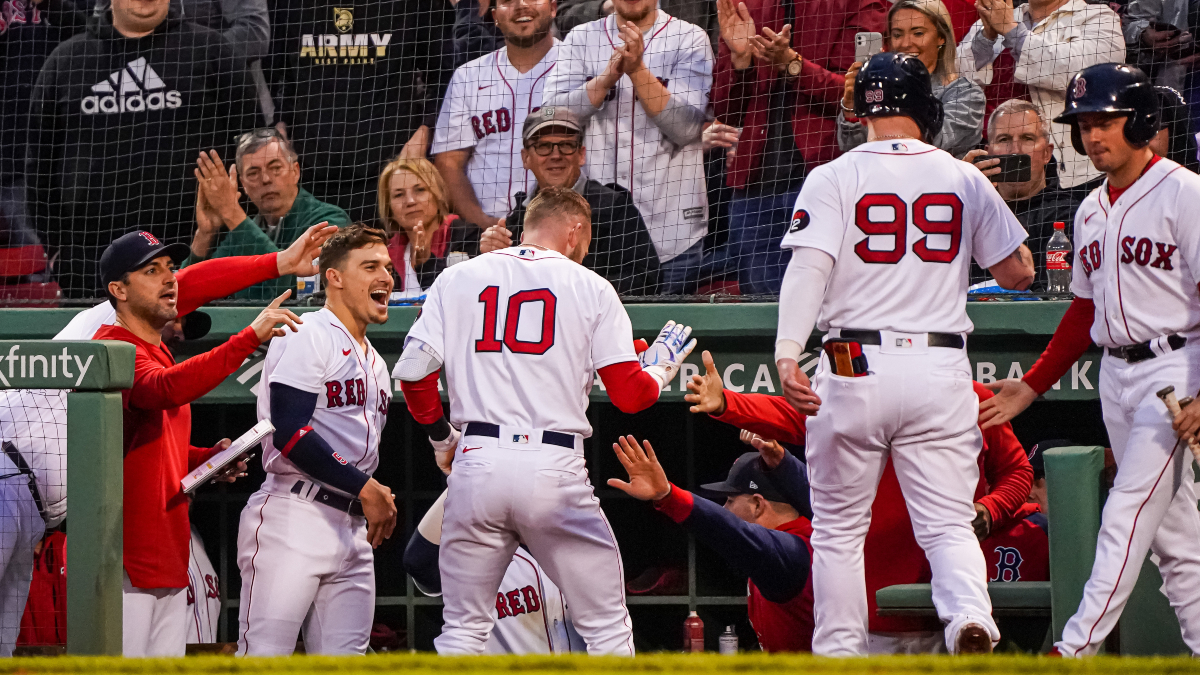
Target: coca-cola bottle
{"x": 1058, "y": 262}
{"x": 693, "y": 633}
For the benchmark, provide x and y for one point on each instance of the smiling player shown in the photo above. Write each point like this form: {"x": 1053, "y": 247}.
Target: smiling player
{"x": 306, "y": 537}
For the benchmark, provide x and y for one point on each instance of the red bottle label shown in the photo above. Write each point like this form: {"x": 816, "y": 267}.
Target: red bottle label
{"x": 1057, "y": 260}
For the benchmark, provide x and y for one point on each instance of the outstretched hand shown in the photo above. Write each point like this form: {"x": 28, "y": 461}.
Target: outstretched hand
{"x": 706, "y": 392}
{"x": 1012, "y": 397}
{"x": 266, "y": 324}
{"x": 771, "y": 452}
{"x": 298, "y": 258}
{"x": 647, "y": 480}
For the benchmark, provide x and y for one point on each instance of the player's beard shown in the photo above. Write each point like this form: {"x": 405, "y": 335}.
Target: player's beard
{"x": 527, "y": 41}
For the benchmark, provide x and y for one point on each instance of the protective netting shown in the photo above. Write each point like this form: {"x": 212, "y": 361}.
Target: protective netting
{"x": 33, "y": 506}
{"x": 697, "y": 128}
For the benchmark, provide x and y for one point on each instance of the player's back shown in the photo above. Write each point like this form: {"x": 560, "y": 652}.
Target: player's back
{"x": 902, "y": 219}
{"x": 521, "y": 333}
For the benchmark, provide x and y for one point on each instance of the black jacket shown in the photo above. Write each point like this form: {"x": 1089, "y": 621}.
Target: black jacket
{"x": 621, "y": 249}
{"x": 1038, "y": 215}
{"x": 115, "y": 127}
{"x": 351, "y": 108}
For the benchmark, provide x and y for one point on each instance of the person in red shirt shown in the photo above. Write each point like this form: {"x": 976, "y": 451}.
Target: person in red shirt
{"x": 892, "y": 555}
{"x": 759, "y": 533}
{"x": 138, "y": 273}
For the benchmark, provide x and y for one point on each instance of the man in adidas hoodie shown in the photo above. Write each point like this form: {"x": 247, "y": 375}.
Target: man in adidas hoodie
{"x": 117, "y": 117}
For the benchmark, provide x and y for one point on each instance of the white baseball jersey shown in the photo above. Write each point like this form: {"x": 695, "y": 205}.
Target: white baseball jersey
{"x": 485, "y": 109}
{"x": 352, "y": 386}
{"x": 1138, "y": 259}
{"x": 905, "y": 217}
{"x": 531, "y": 614}
{"x": 530, "y": 313}
{"x": 659, "y": 160}
{"x": 203, "y": 594}
{"x": 35, "y": 420}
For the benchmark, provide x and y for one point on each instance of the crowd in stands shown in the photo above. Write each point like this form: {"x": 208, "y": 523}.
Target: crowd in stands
{"x": 688, "y": 125}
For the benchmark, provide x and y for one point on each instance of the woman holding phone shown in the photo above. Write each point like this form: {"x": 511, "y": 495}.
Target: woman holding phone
{"x": 922, "y": 28}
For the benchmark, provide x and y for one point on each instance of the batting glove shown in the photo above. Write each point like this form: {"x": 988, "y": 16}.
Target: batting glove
{"x": 669, "y": 350}
{"x": 443, "y": 450}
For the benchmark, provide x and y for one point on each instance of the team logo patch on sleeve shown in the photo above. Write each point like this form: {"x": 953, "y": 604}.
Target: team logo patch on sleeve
{"x": 800, "y": 221}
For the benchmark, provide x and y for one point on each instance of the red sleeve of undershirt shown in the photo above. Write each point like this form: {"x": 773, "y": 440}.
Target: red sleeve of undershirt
{"x": 423, "y": 399}
{"x": 677, "y": 505}
{"x": 159, "y": 388}
{"x": 1071, "y": 339}
{"x": 1006, "y": 469}
{"x": 218, "y": 278}
{"x": 630, "y": 389}
{"x": 771, "y": 417}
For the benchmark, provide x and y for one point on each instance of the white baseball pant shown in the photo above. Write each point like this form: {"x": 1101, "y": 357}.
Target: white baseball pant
{"x": 154, "y": 621}
{"x": 917, "y": 404}
{"x": 1151, "y": 506}
{"x": 21, "y": 528}
{"x": 304, "y": 566}
{"x": 513, "y": 489}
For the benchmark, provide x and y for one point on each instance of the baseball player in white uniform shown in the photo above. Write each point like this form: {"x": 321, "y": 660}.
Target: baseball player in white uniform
{"x": 305, "y": 538}
{"x": 477, "y": 140}
{"x": 642, "y": 78}
{"x": 1135, "y": 285}
{"x": 522, "y": 333}
{"x": 203, "y": 594}
{"x": 888, "y": 231}
{"x": 531, "y": 613}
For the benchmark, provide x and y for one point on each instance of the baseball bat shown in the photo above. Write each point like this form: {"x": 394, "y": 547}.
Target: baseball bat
{"x": 1167, "y": 394}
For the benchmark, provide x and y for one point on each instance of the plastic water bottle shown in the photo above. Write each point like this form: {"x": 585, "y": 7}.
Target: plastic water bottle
{"x": 727, "y": 644}
{"x": 693, "y": 633}
{"x": 1058, "y": 262}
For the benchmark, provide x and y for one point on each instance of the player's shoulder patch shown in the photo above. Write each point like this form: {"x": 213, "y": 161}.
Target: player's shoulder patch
{"x": 800, "y": 220}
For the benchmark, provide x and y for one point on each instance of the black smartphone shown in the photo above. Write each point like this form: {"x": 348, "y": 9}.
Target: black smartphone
{"x": 1013, "y": 168}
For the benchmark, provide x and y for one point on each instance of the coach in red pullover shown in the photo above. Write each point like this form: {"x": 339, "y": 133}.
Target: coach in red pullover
{"x": 892, "y": 555}
{"x": 137, "y": 271}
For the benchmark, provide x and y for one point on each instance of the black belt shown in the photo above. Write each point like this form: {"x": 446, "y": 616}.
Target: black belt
{"x": 873, "y": 337}
{"x": 1143, "y": 351}
{"x": 548, "y": 437}
{"x": 332, "y": 499}
{"x": 22, "y": 468}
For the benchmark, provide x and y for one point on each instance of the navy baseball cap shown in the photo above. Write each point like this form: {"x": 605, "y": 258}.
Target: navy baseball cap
{"x": 135, "y": 250}
{"x": 1035, "y": 454}
{"x": 747, "y": 476}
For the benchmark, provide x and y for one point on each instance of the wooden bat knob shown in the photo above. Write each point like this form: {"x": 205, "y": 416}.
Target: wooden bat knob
{"x": 1166, "y": 391}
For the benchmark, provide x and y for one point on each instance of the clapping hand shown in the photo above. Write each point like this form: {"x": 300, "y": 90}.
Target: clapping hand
{"x": 737, "y": 29}
{"x": 774, "y": 48}
{"x": 997, "y": 17}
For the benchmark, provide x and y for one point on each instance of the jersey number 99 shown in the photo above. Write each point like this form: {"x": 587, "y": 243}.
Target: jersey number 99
{"x": 490, "y": 297}
{"x": 897, "y": 227}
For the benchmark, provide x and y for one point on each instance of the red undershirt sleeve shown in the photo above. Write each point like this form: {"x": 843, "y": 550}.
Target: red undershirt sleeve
{"x": 423, "y": 399}
{"x": 159, "y": 388}
{"x": 1071, "y": 339}
{"x": 677, "y": 505}
{"x": 630, "y": 389}
{"x": 771, "y": 417}
{"x": 218, "y": 278}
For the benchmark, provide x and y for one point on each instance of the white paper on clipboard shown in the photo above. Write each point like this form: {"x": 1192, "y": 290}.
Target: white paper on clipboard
{"x": 213, "y": 466}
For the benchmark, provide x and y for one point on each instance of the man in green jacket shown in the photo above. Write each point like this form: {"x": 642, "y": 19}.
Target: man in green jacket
{"x": 270, "y": 174}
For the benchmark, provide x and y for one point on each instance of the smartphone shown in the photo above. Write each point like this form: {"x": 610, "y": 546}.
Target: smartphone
{"x": 867, "y": 45}
{"x": 1013, "y": 168}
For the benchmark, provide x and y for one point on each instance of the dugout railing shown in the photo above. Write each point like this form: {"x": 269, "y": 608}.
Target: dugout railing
{"x": 694, "y": 449}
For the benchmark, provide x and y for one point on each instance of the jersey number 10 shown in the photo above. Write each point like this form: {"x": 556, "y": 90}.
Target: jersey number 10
{"x": 898, "y": 227}
{"x": 490, "y": 297}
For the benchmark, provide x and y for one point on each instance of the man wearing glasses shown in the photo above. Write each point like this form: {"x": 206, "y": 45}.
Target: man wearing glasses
{"x": 268, "y": 169}
{"x": 621, "y": 249}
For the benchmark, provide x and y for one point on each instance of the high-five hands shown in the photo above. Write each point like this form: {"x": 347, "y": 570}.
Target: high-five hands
{"x": 379, "y": 507}
{"x": 1012, "y": 397}
{"x": 670, "y": 348}
{"x": 771, "y": 452}
{"x": 299, "y": 258}
{"x": 266, "y": 324}
{"x": 647, "y": 480}
{"x": 706, "y": 392}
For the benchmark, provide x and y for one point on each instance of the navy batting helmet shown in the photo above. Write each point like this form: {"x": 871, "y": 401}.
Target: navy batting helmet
{"x": 1113, "y": 88}
{"x": 892, "y": 83}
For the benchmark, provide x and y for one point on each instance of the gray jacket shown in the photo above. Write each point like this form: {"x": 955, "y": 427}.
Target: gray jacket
{"x": 962, "y": 128}
{"x": 1139, "y": 14}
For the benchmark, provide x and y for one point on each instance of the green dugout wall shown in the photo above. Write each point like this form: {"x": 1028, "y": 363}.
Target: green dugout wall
{"x": 1008, "y": 338}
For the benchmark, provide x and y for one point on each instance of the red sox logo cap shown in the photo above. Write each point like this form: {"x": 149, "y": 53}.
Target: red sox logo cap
{"x": 1080, "y": 88}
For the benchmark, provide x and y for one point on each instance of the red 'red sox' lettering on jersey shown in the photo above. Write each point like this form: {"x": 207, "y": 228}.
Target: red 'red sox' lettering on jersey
{"x": 1139, "y": 251}
{"x": 510, "y": 603}
{"x": 1150, "y": 291}
{"x": 355, "y": 393}
{"x": 491, "y": 122}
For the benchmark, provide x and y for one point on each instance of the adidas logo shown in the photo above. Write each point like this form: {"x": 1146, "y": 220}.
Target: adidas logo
{"x": 134, "y": 88}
